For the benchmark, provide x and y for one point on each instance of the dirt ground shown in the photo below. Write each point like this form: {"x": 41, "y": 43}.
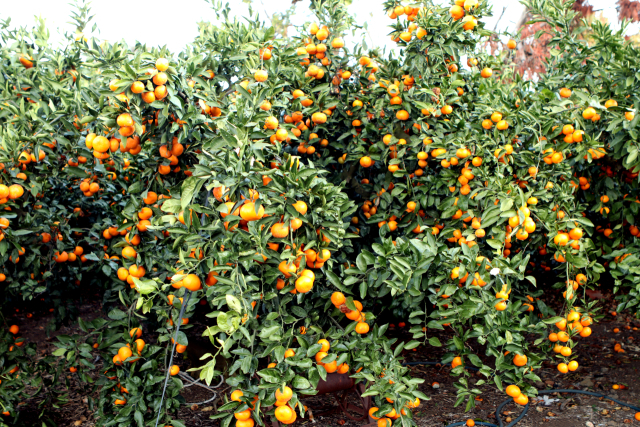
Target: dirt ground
{"x": 600, "y": 368}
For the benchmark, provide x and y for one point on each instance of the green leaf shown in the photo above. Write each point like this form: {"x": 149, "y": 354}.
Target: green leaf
{"x": 234, "y": 303}
{"x": 139, "y": 418}
{"x": 117, "y": 314}
{"x": 300, "y": 382}
{"x": 59, "y": 352}
{"x": 552, "y": 320}
{"x": 145, "y": 286}
{"x": 188, "y": 189}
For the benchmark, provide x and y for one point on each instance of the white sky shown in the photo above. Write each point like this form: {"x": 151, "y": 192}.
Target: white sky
{"x": 173, "y": 23}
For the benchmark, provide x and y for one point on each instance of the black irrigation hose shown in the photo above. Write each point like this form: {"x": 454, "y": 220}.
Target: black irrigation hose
{"x": 173, "y": 349}
{"x": 526, "y": 408}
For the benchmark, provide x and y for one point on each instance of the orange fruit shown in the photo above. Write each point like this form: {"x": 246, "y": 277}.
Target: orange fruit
{"x": 362, "y": 328}
{"x": 248, "y": 212}
{"x": 338, "y": 298}
{"x": 522, "y": 399}
{"x": 162, "y": 64}
{"x": 301, "y": 207}
{"x": 519, "y": 360}
{"x": 513, "y": 391}
{"x": 192, "y": 282}
{"x": 325, "y": 345}
{"x": 124, "y": 353}
{"x": 236, "y": 395}
{"x": 285, "y": 395}
{"x": 279, "y": 230}
{"x": 284, "y": 413}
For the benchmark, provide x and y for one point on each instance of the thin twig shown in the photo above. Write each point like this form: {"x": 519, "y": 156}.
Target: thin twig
{"x": 498, "y": 21}
{"x": 336, "y": 323}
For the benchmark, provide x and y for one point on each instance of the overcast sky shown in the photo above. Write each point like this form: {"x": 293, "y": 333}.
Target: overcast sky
{"x": 173, "y": 23}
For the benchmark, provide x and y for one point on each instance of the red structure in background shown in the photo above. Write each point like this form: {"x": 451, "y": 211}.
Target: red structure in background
{"x": 532, "y": 52}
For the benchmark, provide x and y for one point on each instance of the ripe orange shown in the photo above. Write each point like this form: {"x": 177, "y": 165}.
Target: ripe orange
{"x": 456, "y": 12}
{"x": 124, "y": 353}
{"x": 248, "y": 212}
{"x": 521, "y": 399}
{"x": 148, "y": 97}
{"x": 243, "y": 415}
{"x": 175, "y": 369}
{"x": 457, "y": 361}
{"x": 486, "y": 72}
{"x": 366, "y": 162}
{"x": 301, "y": 207}
{"x": 279, "y": 230}
{"x": 513, "y": 391}
{"x": 362, "y": 328}
{"x": 338, "y": 298}
{"x": 124, "y": 119}
{"x": 192, "y": 282}
{"x": 162, "y": 64}
{"x": 285, "y": 395}
{"x": 520, "y": 360}
{"x": 137, "y": 87}
{"x": 129, "y": 253}
{"x": 284, "y": 413}
{"x": 261, "y": 75}
{"x": 236, "y": 395}
{"x": 304, "y": 284}
{"x": 319, "y": 118}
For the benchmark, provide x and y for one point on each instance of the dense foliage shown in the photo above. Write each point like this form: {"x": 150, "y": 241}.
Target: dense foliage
{"x": 306, "y": 193}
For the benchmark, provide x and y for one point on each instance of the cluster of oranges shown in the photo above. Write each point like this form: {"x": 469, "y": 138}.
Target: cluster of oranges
{"x": 339, "y": 301}
{"x": 575, "y": 324}
{"x": 332, "y": 366}
{"x": 563, "y": 239}
{"x": 386, "y": 420}
{"x": 18, "y": 342}
{"x": 477, "y": 279}
{"x": 101, "y": 145}
{"x": 159, "y": 92}
{"x": 496, "y": 117}
{"x": 243, "y": 418}
{"x": 172, "y": 153}
{"x": 284, "y": 412}
{"x": 518, "y": 397}
{"x": 503, "y": 296}
{"x": 11, "y": 192}
{"x": 26, "y": 157}
{"x": 71, "y": 256}
{"x": 126, "y": 354}
{"x": 89, "y": 187}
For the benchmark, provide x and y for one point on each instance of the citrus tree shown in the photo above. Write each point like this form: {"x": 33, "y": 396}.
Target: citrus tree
{"x": 305, "y": 190}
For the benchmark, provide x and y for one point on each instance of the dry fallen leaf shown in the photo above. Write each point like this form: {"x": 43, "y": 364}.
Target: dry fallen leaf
{"x": 207, "y": 409}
